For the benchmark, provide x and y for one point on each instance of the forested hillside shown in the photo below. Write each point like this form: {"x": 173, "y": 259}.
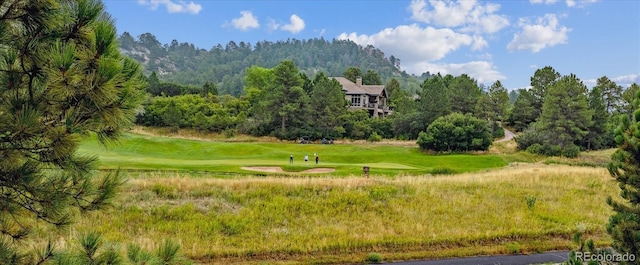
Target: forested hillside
{"x": 225, "y": 66}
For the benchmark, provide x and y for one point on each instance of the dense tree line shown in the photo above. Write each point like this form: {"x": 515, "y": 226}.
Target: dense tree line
{"x": 280, "y": 101}
{"x": 559, "y": 115}
{"x": 443, "y": 95}
{"x": 225, "y": 66}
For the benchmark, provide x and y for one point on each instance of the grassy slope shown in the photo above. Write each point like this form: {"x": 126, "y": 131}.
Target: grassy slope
{"x": 339, "y": 220}
{"x": 160, "y": 153}
{"x": 342, "y": 219}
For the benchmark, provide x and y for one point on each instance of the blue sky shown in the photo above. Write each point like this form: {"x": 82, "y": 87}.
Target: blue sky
{"x": 488, "y": 40}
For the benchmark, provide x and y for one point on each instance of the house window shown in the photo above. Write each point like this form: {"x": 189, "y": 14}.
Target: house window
{"x": 355, "y": 100}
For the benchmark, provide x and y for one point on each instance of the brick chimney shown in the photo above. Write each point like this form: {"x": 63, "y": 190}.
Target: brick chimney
{"x": 359, "y": 81}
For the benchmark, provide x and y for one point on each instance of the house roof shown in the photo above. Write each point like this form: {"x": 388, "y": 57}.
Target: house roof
{"x": 352, "y": 88}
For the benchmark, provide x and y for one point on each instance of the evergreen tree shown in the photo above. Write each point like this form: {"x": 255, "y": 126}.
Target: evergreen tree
{"x": 611, "y": 94}
{"x": 61, "y": 77}
{"x": 352, "y": 73}
{"x": 523, "y": 112}
{"x": 493, "y": 104}
{"x": 287, "y": 100}
{"x": 499, "y": 100}
{"x": 565, "y": 113}
{"x": 391, "y": 86}
{"x": 541, "y": 80}
{"x": 371, "y": 78}
{"x": 624, "y": 225}
{"x": 595, "y": 138}
{"x": 434, "y": 101}
{"x": 209, "y": 88}
{"x": 172, "y": 115}
{"x": 463, "y": 94}
{"x": 328, "y": 105}
{"x": 628, "y": 97}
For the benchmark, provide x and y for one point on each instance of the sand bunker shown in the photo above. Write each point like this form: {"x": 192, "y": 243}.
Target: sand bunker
{"x": 279, "y": 170}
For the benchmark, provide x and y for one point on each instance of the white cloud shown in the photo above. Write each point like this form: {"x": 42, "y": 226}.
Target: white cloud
{"x": 296, "y": 25}
{"x": 468, "y": 15}
{"x": 623, "y": 80}
{"x": 413, "y": 43}
{"x": 482, "y": 71}
{"x": 548, "y": 2}
{"x": 272, "y": 25}
{"x": 452, "y": 26}
{"x": 478, "y": 43}
{"x": 545, "y": 32}
{"x": 173, "y": 6}
{"x": 627, "y": 79}
{"x": 246, "y": 21}
{"x": 570, "y": 3}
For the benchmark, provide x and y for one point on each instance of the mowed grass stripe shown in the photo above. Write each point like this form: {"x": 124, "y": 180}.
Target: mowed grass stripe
{"x": 162, "y": 153}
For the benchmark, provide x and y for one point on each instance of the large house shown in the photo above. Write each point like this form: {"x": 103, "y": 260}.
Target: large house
{"x": 372, "y": 98}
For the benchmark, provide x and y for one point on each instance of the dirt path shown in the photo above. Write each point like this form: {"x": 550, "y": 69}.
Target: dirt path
{"x": 279, "y": 170}
{"x": 508, "y": 135}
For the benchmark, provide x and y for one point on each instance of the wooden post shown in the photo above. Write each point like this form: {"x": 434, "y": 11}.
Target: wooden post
{"x": 365, "y": 170}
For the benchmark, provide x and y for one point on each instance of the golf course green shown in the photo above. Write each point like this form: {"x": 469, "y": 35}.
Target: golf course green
{"x": 142, "y": 152}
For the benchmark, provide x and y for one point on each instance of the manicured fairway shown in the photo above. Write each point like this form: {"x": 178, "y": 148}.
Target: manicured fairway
{"x": 161, "y": 153}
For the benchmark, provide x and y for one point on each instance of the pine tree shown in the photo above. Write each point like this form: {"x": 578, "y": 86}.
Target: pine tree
{"x": 463, "y": 94}
{"x": 523, "y": 112}
{"x": 434, "y": 101}
{"x": 624, "y": 225}
{"x": 611, "y": 94}
{"x": 61, "y": 77}
{"x": 328, "y": 105}
{"x": 597, "y": 130}
{"x": 371, "y": 78}
{"x": 287, "y": 99}
{"x": 565, "y": 113}
{"x": 352, "y": 73}
{"x": 628, "y": 96}
{"x": 541, "y": 80}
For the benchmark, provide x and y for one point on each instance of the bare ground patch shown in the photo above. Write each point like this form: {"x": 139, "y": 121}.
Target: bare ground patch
{"x": 279, "y": 170}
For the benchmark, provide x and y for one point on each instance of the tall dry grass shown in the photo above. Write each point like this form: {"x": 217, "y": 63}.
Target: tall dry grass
{"x": 341, "y": 219}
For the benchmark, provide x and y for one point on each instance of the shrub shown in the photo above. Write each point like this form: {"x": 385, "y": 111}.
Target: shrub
{"x": 373, "y": 258}
{"x": 571, "y": 151}
{"x": 529, "y": 137}
{"x": 535, "y": 149}
{"x": 456, "y": 132}
{"x": 442, "y": 171}
{"x": 497, "y": 130}
{"x": 531, "y": 201}
{"x": 374, "y": 137}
